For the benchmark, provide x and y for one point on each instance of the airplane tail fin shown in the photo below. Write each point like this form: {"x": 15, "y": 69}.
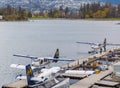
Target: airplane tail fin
{"x": 29, "y": 74}
{"x": 56, "y": 56}
{"x": 104, "y": 42}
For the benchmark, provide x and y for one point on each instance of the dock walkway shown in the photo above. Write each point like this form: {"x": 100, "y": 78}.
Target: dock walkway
{"x": 16, "y": 84}
{"x": 90, "y": 80}
{"x": 78, "y": 62}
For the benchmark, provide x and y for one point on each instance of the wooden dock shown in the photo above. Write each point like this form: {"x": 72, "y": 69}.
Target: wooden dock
{"x": 107, "y": 83}
{"x": 16, "y": 84}
{"x": 94, "y": 57}
{"x": 90, "y": 80}
{"x": 67, "y": 75}
{"x": 84, "y": 83}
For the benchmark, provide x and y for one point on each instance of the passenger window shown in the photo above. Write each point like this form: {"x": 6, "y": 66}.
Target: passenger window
{"x": 41, "y": 62}
{"x": 44, "y": 60}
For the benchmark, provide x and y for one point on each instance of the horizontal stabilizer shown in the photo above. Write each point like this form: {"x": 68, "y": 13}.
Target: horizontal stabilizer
{"x": 19, "y": 66}
{"x": 21, "y": 77}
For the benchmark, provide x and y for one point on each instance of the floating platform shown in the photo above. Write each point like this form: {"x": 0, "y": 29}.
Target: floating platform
{"x": 90, "y": 80}
{"x": 107, "y": 83}
{"x": 16, "y": 84}
{"x": 63, "y": 82}
{"x": 67, "y": 75}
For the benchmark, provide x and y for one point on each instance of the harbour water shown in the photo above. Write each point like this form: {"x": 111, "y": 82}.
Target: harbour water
{"x": 42, "y": 37}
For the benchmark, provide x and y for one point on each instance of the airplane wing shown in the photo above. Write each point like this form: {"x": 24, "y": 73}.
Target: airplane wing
{"x": 25, "y": 56}
{"x": 111, "y": 44}
{"x": 59, "y": 59}
{"x": 88, "y": 43}
{"x": 37, "y": 79}
{"x": 63, "y": 60}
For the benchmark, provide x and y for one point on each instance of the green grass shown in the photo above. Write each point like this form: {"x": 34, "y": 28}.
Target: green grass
{"x": 106, "y": 19}
{"x": 99, "y": 19}
{"x": 39, "y": 17}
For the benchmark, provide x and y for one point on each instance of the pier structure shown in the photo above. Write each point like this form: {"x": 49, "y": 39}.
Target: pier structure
{"x": 90, "y": 80}
{"x": 94, "y": 57}
{"x": 16, "y": 84}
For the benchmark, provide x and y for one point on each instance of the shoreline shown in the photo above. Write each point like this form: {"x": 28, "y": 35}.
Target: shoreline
{"x": 89, "y": 19}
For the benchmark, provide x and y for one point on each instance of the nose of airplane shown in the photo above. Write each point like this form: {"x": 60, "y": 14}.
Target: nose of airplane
{"x": 35, "y": 64}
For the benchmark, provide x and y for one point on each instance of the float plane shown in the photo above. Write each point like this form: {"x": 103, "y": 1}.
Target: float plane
{"x": 98, "y": 46}
{"x": 46, "y": 75}
{"x": 41, "y": 61}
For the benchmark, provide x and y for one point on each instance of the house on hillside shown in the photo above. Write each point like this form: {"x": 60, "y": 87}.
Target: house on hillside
{"x": 1, "y": 17}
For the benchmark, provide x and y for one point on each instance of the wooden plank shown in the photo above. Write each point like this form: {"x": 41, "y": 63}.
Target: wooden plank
{"x": 90, "y": 80}
{"x": 107, "y": 83}
{"x": 16, "y": 84}
{"x": 73, "y": 76}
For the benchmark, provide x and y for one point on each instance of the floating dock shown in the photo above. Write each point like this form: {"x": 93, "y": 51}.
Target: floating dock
{"x": 67, "y": 75}
{"x": 16, "y": 84}
{"x": 77, "y": 63}
{"x": 107, "y": 83}
{"x": 90, "y": 80}
{"x": 86, "y": 82}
